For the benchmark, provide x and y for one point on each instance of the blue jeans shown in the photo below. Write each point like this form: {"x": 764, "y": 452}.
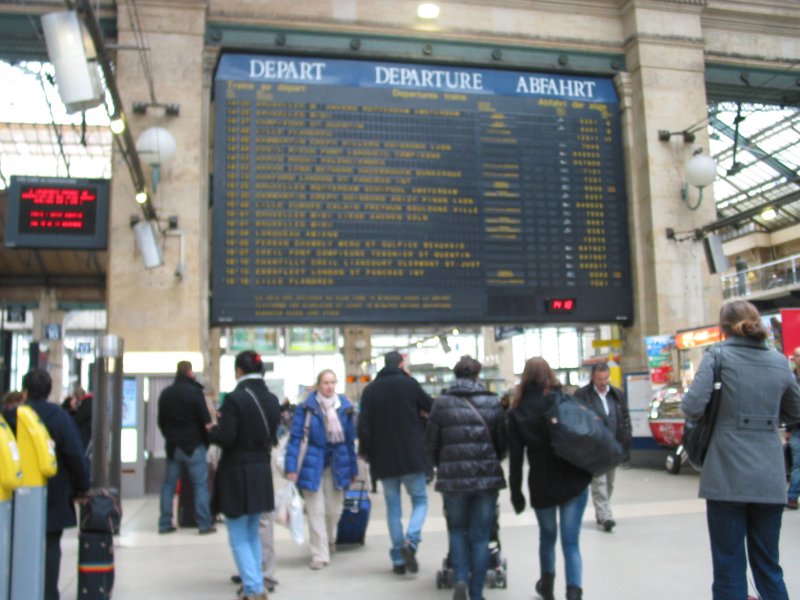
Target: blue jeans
{"x": 246, "y": 547}
{"x": 571, "y": 515}
{"x": 416, "y": 488}
{"x": 198, "y": 473}
{"x": 729, "y": 525}
{"x": 794, "y": 481}
{"x": 469, "y": 525}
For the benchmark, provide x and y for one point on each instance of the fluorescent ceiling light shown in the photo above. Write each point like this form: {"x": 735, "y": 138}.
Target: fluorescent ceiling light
{"x": 428, "y": 10}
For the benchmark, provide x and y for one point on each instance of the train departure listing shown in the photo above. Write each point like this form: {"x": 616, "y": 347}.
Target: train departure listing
{"x": 364, "y": 192}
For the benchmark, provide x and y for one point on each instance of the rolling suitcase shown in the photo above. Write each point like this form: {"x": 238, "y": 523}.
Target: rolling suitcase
{"x": 352, "y": 527}
{"x": 95, "y": 565}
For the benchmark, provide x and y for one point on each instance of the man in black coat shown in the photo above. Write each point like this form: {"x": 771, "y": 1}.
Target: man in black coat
{"x": 390, "y": 438}
{"x": 610, "y": 403}
{"x": 182, "y": 419}
{"x": 70, "y": 481}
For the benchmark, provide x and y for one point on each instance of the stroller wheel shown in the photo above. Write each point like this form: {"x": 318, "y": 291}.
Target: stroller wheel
{"x": 491, "y": 579}
{"x": 440, "y": 579}
{"x": 673, "y": 463}
{"x": 500, "y": 580}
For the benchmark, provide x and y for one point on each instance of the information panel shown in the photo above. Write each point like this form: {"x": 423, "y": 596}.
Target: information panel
{"x": 57, "y": 212}
{"x": 367, "y": 192}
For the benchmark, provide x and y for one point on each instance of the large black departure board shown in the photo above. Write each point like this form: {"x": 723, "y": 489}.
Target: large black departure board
{"x": 376, "y": 193}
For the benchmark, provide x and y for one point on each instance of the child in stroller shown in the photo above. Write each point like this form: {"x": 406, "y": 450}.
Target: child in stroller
{"x": 495, "y": 576}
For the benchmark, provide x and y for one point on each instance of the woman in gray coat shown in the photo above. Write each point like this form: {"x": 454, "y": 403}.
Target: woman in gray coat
{"x": 743, "y": 478}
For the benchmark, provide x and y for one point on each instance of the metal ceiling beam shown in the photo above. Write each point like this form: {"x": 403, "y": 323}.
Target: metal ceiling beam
{"x": 748, "y": 214}
{"x": 746, "y": 144}
{"x": 53, "y": 281}
{"x": 124, "y": 140}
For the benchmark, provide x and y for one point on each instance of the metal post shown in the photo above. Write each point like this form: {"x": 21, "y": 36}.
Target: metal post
{"x": 107, "y": 413}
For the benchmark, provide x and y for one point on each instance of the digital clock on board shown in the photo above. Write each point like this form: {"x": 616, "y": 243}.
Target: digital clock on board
{"x": 57, "y": 212}
{"x": 560, "y": 305}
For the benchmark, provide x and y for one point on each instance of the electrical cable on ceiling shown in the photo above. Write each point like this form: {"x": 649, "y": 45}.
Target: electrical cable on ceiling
{"x": 53, "y": 124}
{"x": 139, "y": 35}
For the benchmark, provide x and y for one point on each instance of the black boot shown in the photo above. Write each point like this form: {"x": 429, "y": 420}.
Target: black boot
{"x": 574, "y": 593}
{"x": 544, "y": 587}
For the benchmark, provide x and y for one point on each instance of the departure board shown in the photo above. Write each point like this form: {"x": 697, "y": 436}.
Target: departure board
{"x": 377, "y": 193}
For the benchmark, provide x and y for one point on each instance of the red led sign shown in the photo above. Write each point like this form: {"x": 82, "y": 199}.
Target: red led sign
{"x": 71, "y": 210}
{"x": 560, "y": 305}
{"x": 52, "y": 212}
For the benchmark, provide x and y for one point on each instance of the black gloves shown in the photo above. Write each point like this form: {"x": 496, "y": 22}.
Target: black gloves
{"x": 518, "y": 501}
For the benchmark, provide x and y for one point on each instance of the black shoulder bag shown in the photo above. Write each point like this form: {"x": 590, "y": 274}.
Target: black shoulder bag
{"x": 697, "y": 434}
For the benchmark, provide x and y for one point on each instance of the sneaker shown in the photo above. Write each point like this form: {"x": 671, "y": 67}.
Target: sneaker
{"x": 792, "y": 504}
{"x": 399, "y": 569}
{"x": 316, "y": 565}
{"x": 207, "y": 530}
{"x": 236, "y": 579}
{"x": 460, "y": 591}
{"x": 168, "y": 530}
{"x": 409, "y": 554}
{"x": 608, "y": 525}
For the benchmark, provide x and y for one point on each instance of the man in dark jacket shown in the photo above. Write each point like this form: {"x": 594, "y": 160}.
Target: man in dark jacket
{"x": 182, "y": 419}
{"x": 70, "y": 481}
{"x": 610, "y": 403}
{"x": 391, "y": 439}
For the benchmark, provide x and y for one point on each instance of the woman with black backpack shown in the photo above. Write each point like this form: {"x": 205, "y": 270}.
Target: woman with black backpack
{"x": 558, "y": 490}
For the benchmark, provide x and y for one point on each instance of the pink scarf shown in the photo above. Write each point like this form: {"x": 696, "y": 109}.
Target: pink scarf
{"x": 332, "y": 426}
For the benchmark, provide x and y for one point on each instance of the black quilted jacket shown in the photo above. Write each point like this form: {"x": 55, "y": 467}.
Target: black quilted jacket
{"x": 466, "y": 455}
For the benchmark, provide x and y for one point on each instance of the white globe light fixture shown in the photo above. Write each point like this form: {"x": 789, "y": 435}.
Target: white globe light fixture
{"x": 156, "y": 146}
{"x": 700, "y": 171}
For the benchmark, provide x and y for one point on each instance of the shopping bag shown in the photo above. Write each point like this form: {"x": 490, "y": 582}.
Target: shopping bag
{"x": 289, "y": 512}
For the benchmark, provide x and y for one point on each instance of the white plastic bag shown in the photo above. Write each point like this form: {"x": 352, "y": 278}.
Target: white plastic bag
{"x": 279, "y": 455}
{"x": 289, "y": 512}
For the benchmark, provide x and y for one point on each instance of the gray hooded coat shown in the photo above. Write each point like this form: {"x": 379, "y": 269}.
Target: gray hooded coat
{"x": 745, "y": 461}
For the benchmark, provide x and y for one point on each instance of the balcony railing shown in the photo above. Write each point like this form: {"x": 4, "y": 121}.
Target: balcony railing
{"x": 763, "y": 281}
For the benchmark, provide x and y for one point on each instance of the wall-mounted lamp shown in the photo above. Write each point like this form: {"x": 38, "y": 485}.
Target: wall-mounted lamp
{"x": 700, "y": 171}
{"x": 428, "y": 10}
{"x": 155, "y": 147}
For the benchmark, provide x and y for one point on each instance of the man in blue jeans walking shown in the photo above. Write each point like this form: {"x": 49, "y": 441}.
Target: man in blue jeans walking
{"x": 390, "y": 438}
{"x": 182, "y": 419}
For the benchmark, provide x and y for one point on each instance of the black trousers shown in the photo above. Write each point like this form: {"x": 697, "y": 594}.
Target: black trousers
{"x": 52, "y": 564}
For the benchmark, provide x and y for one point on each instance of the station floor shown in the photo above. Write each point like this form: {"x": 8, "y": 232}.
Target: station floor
{"x": 658, "y": 551}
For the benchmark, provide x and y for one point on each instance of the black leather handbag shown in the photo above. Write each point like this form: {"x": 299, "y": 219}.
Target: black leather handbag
{"x": 697, "y": 434}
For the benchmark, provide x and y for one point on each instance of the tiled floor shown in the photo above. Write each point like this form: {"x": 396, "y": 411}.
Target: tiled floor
{"x": 659, "y": 551}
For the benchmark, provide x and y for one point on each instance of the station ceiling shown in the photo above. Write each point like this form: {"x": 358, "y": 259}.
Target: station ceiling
{"x": 753, "y": 124}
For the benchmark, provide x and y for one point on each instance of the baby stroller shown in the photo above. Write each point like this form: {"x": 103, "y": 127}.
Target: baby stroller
{"x": 496, "y": 574}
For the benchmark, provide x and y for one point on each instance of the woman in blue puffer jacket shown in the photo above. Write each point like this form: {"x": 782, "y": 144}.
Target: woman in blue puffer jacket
{"x": 328, "y": 462}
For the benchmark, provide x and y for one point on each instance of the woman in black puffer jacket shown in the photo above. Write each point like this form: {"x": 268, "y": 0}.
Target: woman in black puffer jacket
{"x": 466, "y": 440}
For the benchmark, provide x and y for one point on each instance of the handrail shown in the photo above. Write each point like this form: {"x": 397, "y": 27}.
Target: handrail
{"x": 774, "y": 275}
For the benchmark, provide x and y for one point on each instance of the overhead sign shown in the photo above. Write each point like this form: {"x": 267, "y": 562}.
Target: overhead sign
{"x": 56, "y": 212}
{"x": 357, "y": 191}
